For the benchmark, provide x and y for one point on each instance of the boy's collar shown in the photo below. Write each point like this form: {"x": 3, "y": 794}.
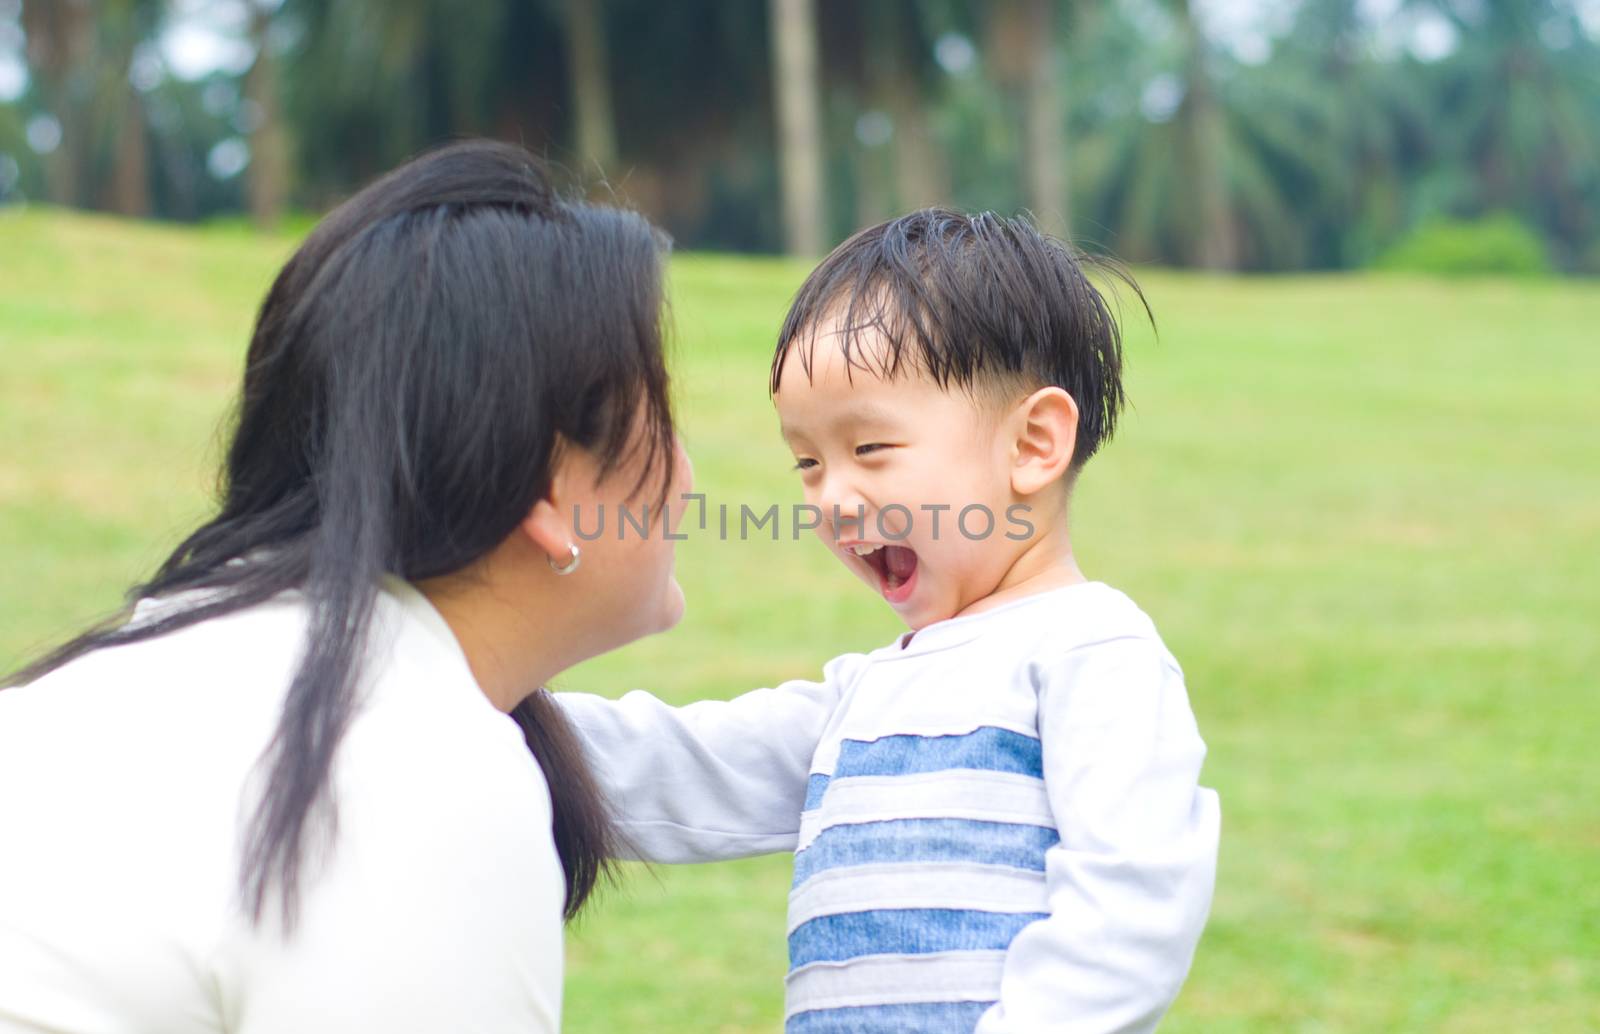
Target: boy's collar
{"x": 963, "y": 628}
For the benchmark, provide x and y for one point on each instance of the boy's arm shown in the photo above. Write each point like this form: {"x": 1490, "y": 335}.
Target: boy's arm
{"x": 710, "y": 780}
{"x": 1130, "y": 882}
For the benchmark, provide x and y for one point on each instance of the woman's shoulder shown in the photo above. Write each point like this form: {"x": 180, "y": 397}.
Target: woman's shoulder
{"x": 422, "y": 716}
{"x": 216, "y": 674}
{"x": 443, "y": 873}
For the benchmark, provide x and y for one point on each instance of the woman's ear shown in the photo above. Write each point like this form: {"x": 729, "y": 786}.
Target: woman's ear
{"x": 1046, "y": 435}
{"x": 548, "y": 529}
{"x": 550, "y": 522}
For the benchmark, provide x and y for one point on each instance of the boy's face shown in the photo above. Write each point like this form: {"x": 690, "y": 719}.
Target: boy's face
{"x": 911, "y": 458}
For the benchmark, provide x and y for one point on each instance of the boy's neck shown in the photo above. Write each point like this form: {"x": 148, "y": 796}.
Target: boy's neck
{"x": 1047, "y": 563}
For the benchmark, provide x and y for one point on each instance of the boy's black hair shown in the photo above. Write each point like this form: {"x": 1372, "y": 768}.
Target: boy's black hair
{"x": 979, "y": 301}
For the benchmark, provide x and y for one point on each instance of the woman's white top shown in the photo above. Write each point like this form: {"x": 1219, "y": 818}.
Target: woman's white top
{"x": 123, "y": 778}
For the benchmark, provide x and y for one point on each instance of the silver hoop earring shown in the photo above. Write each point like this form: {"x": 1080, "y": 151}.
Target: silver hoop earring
{"x": 570, "y": 566}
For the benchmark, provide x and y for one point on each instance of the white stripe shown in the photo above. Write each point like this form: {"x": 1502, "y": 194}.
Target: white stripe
{"x": 952, "y": 976}
{"x": 957, "y": 885}
{"x": 960, "y": 724}
{"x": 954, "y": 793}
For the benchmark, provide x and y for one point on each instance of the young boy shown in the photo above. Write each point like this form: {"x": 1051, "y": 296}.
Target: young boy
{"x": 995, "y": 818}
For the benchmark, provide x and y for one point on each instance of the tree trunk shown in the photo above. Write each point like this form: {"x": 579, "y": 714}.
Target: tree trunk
{"x": 920, "y": 170}
{"x": 874, "y": 201}
{"x": 1214, "y": 243}
{"x": 800, "y": 148}
{"x": 60, "y": 36}
{"x": 590, "y": 82}
{"x": 1019, "y": 48}
{"x": 129, "y": 192}
{"x": 921, "y": 173}
{"x": 1044, "y": 132}
{"x": 118, "y": 157}
{"x": 878, "y": 26}
{"x": 267, "y": 182}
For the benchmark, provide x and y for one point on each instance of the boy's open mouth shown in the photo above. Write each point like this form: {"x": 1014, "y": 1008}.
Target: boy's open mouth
{"x": 896, "y": 567}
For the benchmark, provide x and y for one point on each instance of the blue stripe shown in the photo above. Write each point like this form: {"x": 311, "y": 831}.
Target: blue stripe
{"x": 926, "y": 840}
{"x": 816, "y": 786}
{"x": 903, "y": 931}
{"x": 918, "y": 1018}
{"x": 987, "y": 748}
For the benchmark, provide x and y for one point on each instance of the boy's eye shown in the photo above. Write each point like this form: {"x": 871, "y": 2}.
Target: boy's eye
{"x": 870, "y": 447}
{"x": 804, "y": 463}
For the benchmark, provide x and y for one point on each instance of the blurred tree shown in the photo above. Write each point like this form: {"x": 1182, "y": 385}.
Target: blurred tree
{"x": 1518, "y": 109}
{"x": 60, "y": 57}
{"x": 904, "y": 88}
{"x": 268, "y": 174}
{"x": 1340, "y": 128}
{"x": 1211, "y": 236}
{"x": 1316, "y": 138}
{"x": 120, "y": 151}
{"x": 878, "y": 61}
{"x": 692, "y": 89}
{"x": 79, "y": 54}
{"x": 193, "y": 122}
{"x": 1021, "y": 46}
{"x": 1188, "y": 158}
{"x": 589, "y": 65}
{"x": 1044, "y": 135}
{"x": 854, "y": 39}
{"x": 1021, "y": 52}
{"x": 800, "y": 154}
{"x": 975, "y": 119}
{"x": 372, "y": 82}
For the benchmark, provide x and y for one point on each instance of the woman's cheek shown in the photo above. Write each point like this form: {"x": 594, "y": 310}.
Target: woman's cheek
{"x": 657, "y": 564}
{"x": 672, "y": 604}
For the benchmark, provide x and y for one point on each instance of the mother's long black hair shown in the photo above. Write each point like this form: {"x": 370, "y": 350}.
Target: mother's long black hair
{"x": 414, "y": 370}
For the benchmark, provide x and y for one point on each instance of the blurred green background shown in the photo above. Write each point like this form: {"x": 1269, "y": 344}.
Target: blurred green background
{"x": 1363, "y": 510}
{"x": 1359, "y": 488}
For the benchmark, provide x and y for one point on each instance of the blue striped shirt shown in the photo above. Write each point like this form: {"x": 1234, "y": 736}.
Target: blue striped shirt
{"x": 996, "y": 826}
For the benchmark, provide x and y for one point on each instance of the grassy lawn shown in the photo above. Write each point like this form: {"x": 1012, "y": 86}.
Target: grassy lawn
{"x": 1364, "y": 511}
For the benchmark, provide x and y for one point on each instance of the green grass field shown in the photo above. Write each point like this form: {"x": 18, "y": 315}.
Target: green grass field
{"x": 1364, "y": 511}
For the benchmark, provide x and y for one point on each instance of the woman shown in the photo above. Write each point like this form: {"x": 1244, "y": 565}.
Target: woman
{"x": 284, "y": 795}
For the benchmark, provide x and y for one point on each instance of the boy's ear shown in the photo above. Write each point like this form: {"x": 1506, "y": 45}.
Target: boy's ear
{"x": 1046, "y": 436}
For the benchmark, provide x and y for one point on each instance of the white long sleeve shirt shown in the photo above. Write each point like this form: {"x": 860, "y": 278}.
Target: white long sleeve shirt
{"x": 997, "y": 826}
{"x": 437, "y": 906}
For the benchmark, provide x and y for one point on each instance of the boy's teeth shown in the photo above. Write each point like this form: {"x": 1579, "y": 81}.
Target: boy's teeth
{"x": 864, "y": 549}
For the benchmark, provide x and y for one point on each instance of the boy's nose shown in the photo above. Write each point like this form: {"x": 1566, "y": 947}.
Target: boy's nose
{"x": 845, "y": 513}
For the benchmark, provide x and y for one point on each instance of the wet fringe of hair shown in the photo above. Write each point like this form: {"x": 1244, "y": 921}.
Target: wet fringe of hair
{"x": 966, "y": 299}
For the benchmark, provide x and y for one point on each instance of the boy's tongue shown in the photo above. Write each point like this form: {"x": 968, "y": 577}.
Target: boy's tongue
{"x": 898, "y": 563}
